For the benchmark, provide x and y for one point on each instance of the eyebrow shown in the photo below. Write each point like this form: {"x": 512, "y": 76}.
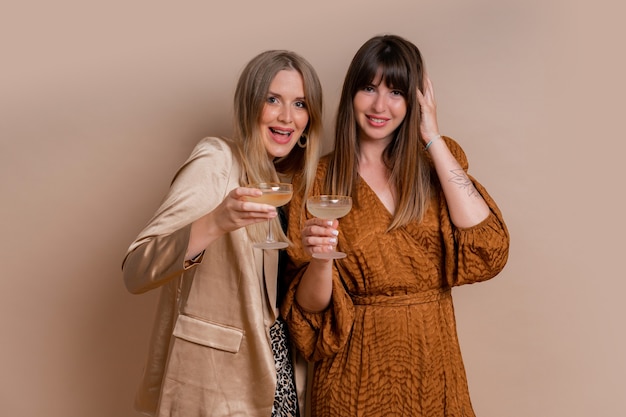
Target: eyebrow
{"x": 270, "y": 93}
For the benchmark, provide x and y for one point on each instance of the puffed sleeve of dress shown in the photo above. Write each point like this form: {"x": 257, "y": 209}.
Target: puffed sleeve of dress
{"x": 157, "y": 254}
{"x": 315, "y": 334}
{"x": 476, "y": 253}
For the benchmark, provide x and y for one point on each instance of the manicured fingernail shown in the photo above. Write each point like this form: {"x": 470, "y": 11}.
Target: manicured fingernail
{"x": 330, "y": 222}
{"x": 332, "y": 240}
{"x": 335, "y": 232}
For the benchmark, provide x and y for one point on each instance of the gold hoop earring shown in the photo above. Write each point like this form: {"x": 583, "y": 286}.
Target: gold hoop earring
{"x": 302, "y": 143}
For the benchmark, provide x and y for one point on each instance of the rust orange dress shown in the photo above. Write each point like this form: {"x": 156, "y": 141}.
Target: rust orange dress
{"x": 387, "y": 345}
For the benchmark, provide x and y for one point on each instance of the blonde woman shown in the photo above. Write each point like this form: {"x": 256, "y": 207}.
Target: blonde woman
{"x": 218, "y": 346}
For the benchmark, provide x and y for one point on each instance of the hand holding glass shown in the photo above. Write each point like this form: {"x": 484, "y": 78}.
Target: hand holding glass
{"x": 276, "y": 194}
{"x": 329, "y": 207}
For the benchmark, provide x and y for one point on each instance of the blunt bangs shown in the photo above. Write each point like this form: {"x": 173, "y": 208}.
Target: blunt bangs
{"x": 394, "y": 70}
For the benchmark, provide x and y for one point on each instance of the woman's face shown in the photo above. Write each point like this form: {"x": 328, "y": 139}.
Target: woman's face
{"x": 379, "y": 110}
{"x": 285, "y": 115}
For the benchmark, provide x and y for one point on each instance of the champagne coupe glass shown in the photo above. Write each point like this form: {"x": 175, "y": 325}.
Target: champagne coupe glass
{"x": 329, "y": 207}
{"x": 276, "y": 194}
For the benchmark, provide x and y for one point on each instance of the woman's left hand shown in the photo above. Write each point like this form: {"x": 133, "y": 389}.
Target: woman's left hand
{"x": 428, "y": 107}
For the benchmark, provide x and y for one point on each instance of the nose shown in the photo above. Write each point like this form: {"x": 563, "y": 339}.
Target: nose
{"x": 284, "y": 114}
{"x": 379, "y": 103}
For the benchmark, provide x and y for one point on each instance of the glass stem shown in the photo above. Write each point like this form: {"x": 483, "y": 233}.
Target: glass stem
{"x": 270, "y": 236}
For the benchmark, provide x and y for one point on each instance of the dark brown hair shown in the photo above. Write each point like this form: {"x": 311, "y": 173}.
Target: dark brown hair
{"x": 399, "y": 63}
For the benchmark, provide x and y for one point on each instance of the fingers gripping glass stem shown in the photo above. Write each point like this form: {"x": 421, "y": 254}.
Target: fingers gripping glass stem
{"x": 329, "y": 207}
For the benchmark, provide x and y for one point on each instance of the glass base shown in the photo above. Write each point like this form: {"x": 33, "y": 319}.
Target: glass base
{"x": 271, "y": 245}
{"x": 329, "y": 255}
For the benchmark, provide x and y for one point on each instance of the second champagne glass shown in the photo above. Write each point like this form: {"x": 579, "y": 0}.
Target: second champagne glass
{"x": 276, "y": 194}
{"x": 329, "y": 207}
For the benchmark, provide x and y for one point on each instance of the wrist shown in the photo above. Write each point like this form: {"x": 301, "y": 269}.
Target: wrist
{"x": 433, "y": 140}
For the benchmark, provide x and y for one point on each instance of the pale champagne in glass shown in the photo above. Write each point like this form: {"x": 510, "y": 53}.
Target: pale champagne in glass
{"x": 329, "y": 207}
{"x": 275, "y": 194}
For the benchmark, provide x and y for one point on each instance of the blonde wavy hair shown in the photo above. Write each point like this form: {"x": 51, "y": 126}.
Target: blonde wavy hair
{"x": 247, "y": 141}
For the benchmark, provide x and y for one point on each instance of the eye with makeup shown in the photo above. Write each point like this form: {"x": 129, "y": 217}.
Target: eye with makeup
{"x": 300, "y": 104}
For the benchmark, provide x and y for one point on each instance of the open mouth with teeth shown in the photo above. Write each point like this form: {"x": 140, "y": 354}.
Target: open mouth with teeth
{"x": 281, "y": 132}
{"x": 281, "y": 136}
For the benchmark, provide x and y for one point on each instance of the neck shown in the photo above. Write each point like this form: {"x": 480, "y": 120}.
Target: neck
{"x": 371, "y": 152}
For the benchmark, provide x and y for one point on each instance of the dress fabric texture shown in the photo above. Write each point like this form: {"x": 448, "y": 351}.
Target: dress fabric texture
{"x": 211, "y": 351}
{"x": 387, "y": 344}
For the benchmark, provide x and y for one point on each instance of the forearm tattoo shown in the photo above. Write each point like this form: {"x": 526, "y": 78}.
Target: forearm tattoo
{"x": 460, "y": 178}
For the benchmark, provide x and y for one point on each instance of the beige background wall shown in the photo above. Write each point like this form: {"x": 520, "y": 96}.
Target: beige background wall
{"x": 101, "y": 101}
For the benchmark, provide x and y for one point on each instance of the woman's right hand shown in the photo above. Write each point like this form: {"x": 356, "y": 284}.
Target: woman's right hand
{"x": 233, "y": 213}
{"x": 319, "y": 235}
{"x": 315, "y": 289}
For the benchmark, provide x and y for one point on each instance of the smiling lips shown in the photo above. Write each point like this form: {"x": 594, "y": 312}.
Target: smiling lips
{"x": 377, "y": 121}
{"x": 281, "y": 136}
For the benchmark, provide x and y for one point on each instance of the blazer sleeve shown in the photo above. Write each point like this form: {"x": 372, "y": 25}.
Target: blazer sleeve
{"x": 477, "y": 253}
{"x": 157, "y": 254}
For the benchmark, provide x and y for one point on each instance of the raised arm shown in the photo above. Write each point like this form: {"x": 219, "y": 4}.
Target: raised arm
{"x": 467, "y": 207}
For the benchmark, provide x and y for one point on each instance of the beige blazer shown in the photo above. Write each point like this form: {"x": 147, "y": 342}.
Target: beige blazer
{"x": 210, "y": 351}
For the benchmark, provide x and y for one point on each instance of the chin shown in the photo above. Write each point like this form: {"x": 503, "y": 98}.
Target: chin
{"x": 282, "y": 152}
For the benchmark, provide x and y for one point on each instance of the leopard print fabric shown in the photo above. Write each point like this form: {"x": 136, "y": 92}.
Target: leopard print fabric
{"x": 285, "y": 397}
